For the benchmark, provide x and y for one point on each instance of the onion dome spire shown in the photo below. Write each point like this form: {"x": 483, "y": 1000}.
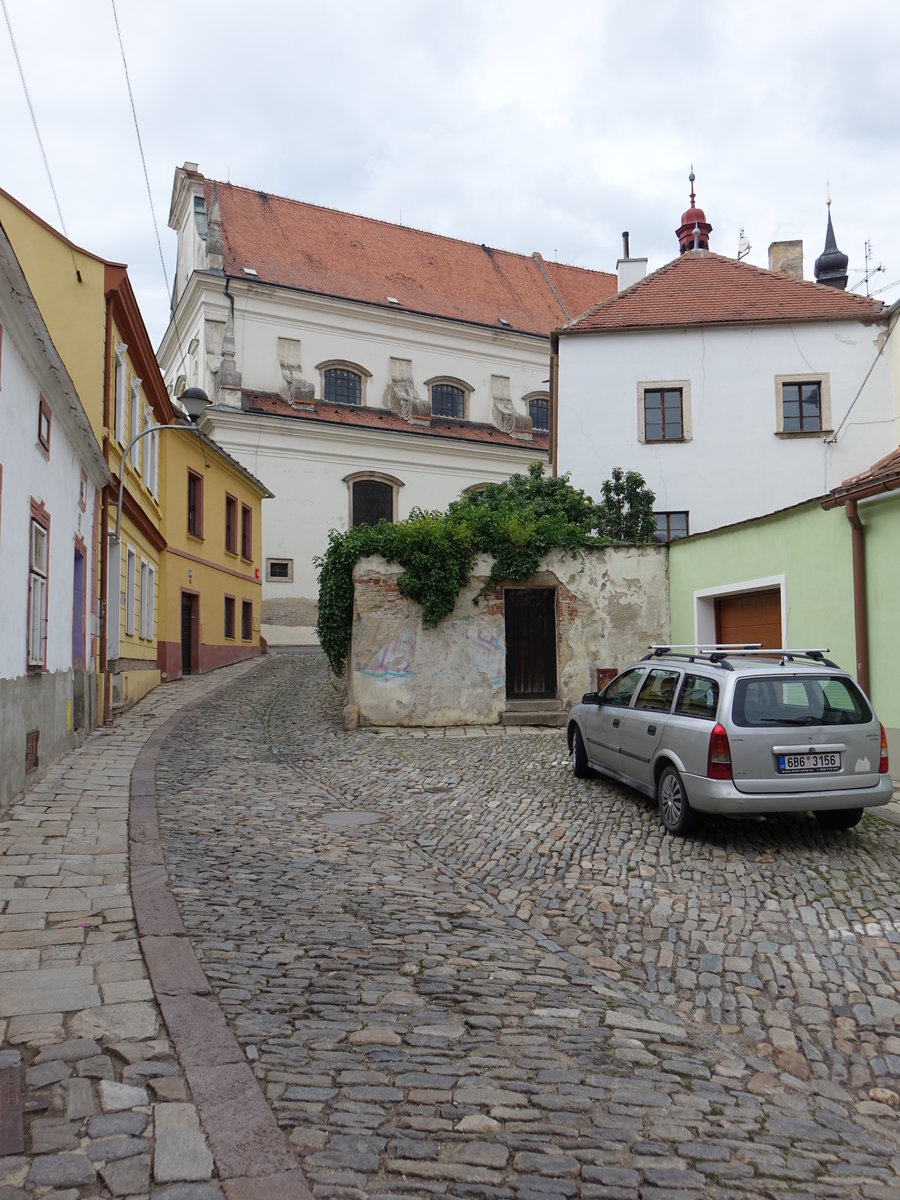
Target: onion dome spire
{"x": 694, "y": 230}
{"x": 831, "y": 265}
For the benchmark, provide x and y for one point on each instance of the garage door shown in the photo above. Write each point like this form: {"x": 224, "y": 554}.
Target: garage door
{"x": 750, "y": 617}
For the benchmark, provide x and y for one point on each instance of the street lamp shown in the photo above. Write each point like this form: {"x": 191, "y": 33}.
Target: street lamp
{"x": 195, "y": 400}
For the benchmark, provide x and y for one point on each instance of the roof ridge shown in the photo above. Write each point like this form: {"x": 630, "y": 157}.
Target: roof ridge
{"x": 445, "y": 237}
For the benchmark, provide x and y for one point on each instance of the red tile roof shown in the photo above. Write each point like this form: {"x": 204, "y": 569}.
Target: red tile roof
{"x": 269, "y": 404}
{"x": 883, "y": 476}
{"x": 700, "y": 288}
{"x": 333, "y": 253}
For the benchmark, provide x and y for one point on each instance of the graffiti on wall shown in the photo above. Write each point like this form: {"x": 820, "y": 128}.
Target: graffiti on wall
{"x": 391, "y": 662}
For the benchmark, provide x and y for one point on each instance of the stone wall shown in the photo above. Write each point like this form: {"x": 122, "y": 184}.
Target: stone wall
{"x": 611, "y": 602}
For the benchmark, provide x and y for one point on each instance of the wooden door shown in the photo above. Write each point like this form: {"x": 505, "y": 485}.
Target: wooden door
{"x": 530, "y": 643}
{"x": 188, "y": 612}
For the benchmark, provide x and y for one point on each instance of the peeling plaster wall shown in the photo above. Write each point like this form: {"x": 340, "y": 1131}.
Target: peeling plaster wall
{"x": 611, "y": 602}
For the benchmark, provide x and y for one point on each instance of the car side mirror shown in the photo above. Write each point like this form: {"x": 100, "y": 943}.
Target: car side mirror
{"x": 592, "y": 698}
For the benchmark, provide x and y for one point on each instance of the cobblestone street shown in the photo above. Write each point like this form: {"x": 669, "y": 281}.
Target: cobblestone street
{"x": 458, "y": 971}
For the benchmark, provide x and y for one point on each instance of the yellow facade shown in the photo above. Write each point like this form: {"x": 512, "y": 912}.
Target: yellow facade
{"x": 94, "y": 321}
{"x": 209, "y": 566}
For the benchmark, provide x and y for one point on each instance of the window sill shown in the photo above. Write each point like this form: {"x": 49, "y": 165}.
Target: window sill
{"x": 231, "y": 553}
{"x": 788, "y": 435}
{"x": 664, "y": 441}
{"x": 195, "y": 537}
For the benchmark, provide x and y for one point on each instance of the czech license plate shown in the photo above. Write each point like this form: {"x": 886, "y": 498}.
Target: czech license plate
{"x": 802, "y": 764}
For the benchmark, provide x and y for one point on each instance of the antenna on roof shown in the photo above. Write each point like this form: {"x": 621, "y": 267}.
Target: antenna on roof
{"x": 744, "y": 246}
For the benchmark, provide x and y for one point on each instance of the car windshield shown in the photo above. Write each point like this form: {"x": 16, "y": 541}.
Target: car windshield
{"x": 799, "y": 700}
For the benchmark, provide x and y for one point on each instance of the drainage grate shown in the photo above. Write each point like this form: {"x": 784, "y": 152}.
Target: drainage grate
{"x": 31, "y": 750}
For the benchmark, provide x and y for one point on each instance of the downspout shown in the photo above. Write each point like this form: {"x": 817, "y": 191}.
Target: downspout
{"x": 554, "y": 403}
{"x": 860, "y": 615}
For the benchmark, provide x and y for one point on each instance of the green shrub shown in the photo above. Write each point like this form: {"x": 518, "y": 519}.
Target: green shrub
{"x": 518, "y": 522}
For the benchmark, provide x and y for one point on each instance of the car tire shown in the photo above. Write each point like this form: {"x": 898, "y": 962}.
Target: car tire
{"x": 839, "y": 818}
{"x": 674, "y": 807}
{"x": 580, "y": 768}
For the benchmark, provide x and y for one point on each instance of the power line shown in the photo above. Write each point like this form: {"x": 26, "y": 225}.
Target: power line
{"x": 137, "y": 131}
{"x": 37, "y": 134}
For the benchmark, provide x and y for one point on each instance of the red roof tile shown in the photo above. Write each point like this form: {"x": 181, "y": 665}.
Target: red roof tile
{"x": 332, "y": 253}
{"x": 269, "y": 404}
{"x": 700, "y": 288}
{"x": 881, "y": 476}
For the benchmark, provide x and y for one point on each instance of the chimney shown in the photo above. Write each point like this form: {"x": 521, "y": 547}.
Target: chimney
{"x": 787, "y": 258}
{"x": 630, "y": 270}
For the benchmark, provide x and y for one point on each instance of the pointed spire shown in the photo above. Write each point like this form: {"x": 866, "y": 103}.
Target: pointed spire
{"x": 694, "y": 230}
{"x": 831, "y": 265}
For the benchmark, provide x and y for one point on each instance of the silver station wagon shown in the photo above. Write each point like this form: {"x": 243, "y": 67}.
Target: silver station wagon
{"x": 736, "y": 730}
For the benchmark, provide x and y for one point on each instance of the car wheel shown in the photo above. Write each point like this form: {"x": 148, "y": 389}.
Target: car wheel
{"x": 839, "y": 818}
{"x": 674, "y": 807}
{"x": 580, "y": 768}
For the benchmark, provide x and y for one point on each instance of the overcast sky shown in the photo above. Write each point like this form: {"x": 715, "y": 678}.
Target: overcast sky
{"x": 526, "y": 125}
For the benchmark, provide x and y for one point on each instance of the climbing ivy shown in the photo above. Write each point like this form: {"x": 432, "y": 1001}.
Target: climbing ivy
{"x": 517, "y": 522}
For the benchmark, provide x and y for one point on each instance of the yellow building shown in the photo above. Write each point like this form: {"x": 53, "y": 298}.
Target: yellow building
{"x": 155, "y": 613}
{"x": 210, "y": 589}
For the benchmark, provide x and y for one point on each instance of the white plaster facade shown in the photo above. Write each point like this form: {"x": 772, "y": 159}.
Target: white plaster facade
{"x": 259, "y": 350}
{"x": 610, "y": 603}
{"x": 733, "y": 462}
{"x": 51, "y": 473}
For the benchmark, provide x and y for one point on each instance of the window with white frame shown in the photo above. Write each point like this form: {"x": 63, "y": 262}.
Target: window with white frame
{"x": 373, "y": 498}
{"x": 538, "y": 406}
{"x": 151, "y": 456}
{"x": 448, "y": 398}
{"x": 145, "y": 625}
{"x": 37, "y": 594}
{"x": 135, "y": 422}
{"x": 113, "y": 601}
{"x": 130, "y": 586}
{"x": 119, "y": 394}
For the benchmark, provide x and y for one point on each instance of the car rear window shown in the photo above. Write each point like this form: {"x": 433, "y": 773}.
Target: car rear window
{"x": 699, "y": 697}
{"x": 799, "y": 700}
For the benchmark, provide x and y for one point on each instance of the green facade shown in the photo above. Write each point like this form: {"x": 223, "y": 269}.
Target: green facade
{"x": 807, "y": 549}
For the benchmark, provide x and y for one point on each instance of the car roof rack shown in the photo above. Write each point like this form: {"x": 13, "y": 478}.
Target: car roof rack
{"x": 720, "y": 653}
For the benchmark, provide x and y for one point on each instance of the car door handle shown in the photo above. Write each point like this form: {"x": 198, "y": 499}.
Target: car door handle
{"x": 615, "y": 723}
{"x": 651, "y": 729}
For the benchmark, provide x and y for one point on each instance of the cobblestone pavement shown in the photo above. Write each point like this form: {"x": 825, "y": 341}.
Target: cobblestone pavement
{"x": 79, "y": 1025}
{"x": 458, "y": 971}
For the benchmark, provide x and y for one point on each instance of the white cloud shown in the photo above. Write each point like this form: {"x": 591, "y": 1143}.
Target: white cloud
{"x": 520, "y": 124}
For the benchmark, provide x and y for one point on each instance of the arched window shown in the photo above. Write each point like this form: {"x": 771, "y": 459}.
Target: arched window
{"x": 343, "y": 382}
{"x": 449, "y": 398}
{"x": 538, "y": 406}
{"x": 373, "y": 498}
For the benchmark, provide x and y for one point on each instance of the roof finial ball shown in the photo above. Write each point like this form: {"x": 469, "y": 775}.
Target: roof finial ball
{"x": 694, "y": 230}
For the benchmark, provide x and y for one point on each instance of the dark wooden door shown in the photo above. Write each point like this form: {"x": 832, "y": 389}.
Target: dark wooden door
{"x": 187, "y": 632}
{"x": 530, "y": 643}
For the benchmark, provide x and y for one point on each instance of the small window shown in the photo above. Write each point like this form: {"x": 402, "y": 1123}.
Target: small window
{"x": 130, "y": 585}
{"x": 247, "y": 620}
{"x": 448, "y": 400}
{"x": 801, "y": 407}
{"x": 229, "y": 616}
{"x": 658, "y": 690}
{"x": 246, "y": 531}
{"x": 195, "y": 504}
{"x": 37, "y": 595}
{"x": 144, "y": 629}
{"x": 200, "y": 218}
{"x": 663, "y": 416}
{"x": 83, "y": 491}
{"x": 44, "y": 426}
{"x": 539, "y": 411}
{"x": 670, "y": 526}
{"x": 136, "y": 418}
{"x": 699, "y": 697}
{"x": 231, "y": 524}
{"x": 280, "y": 569}
{"x": 620, "y": 691}
{"x": 342, "y": 386}
{"x": 372, "y": 501}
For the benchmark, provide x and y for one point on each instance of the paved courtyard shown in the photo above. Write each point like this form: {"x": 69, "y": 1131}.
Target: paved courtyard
{"x": 458, "y": 971}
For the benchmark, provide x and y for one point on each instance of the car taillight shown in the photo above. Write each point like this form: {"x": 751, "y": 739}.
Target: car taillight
{"x": 718, "y": 764}
{"x": 883, "y": 765}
